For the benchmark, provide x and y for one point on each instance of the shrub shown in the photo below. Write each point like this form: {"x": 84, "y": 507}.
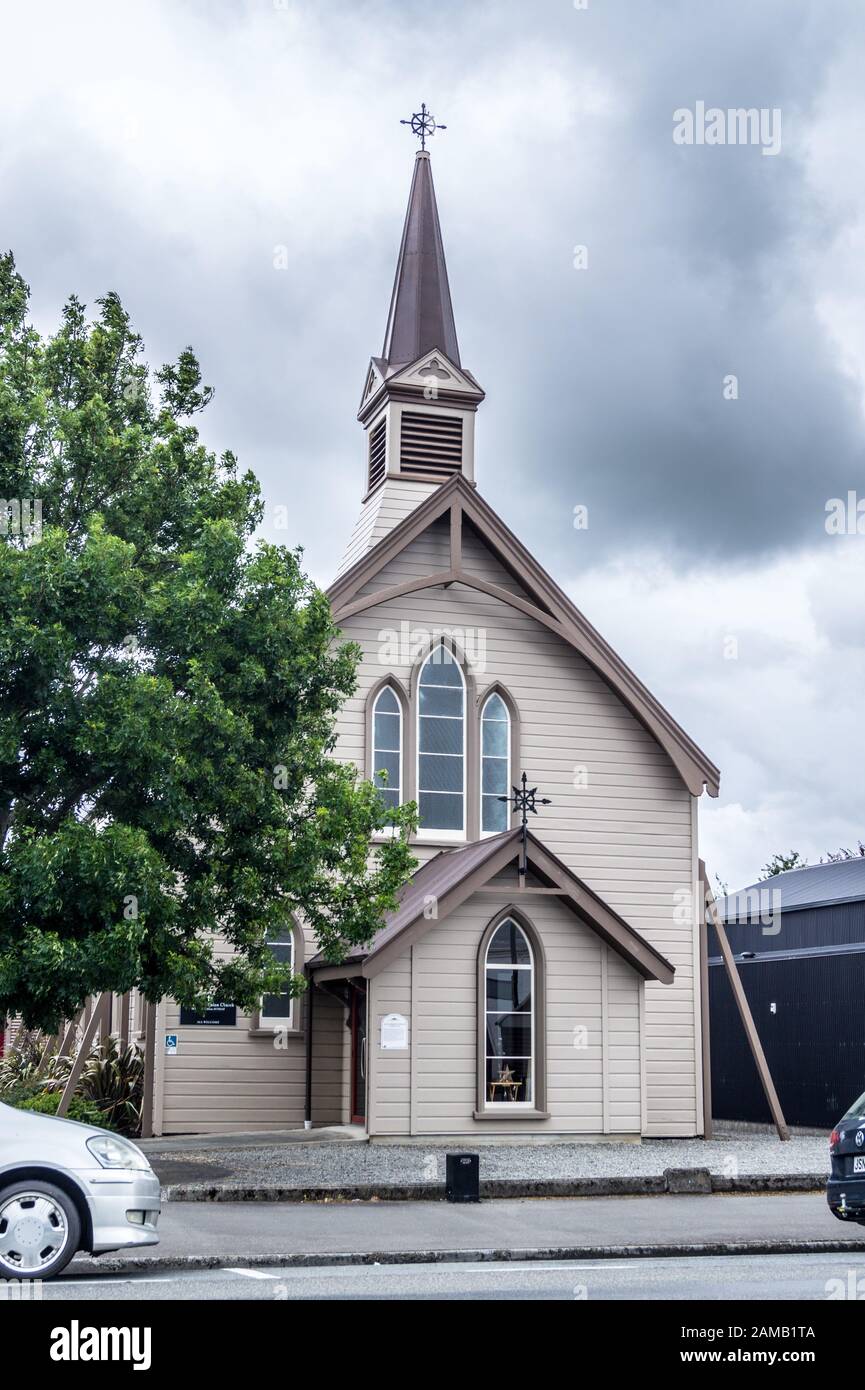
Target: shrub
{"x": 25, "y": 1065}
{"x": 113, "y": 1079}
{"x": 46, "y": 1103}
{"x": 111, "y": 1084}
{"x": 17, "y": 1094}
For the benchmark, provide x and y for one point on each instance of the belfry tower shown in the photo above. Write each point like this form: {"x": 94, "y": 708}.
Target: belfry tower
{"x": 419, "y": 402}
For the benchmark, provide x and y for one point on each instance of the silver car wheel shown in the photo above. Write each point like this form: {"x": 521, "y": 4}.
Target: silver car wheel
{"x": 33, "y": 1232}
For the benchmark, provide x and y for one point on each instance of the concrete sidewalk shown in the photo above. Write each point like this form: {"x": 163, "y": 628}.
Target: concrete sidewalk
{"x": 202, "y": 1236}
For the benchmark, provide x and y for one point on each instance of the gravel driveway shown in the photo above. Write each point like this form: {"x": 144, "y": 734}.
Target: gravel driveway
{"x": 335, "y": 1164}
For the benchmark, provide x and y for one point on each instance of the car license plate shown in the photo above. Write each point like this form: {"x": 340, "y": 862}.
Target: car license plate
{"x": 859, "y": 1163}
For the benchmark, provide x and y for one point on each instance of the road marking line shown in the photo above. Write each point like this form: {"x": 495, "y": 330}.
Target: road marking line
{"x": 250, "y": 1273}
{"x": 526, "y": 1267}
{"x": 494, "y": 1267}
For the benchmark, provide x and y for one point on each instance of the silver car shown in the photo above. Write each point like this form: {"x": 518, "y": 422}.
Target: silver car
{"x": 66, "y": 1187}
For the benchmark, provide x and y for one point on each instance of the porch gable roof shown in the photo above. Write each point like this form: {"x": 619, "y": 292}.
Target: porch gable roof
{"x": 441, "y": 885}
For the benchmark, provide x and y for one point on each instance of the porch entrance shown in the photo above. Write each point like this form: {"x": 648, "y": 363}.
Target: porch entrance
{"x": 358, "y": 1052}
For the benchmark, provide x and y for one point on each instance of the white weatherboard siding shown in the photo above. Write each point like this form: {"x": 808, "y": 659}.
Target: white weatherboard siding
{"x": 227, "y": 1079}
{"x": 381, "y": 511}
{"x": 628, "y": 832}
{"x": 593, "y": 1070}
{"x": 224, "y": 1080}
{"x": 390, "y": 1072}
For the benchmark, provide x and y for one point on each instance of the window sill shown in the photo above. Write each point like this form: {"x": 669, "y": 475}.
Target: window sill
{"x": 437, "y": 840}
{"x": 512, "y": 1114}
{"x": 278, "y": 1030}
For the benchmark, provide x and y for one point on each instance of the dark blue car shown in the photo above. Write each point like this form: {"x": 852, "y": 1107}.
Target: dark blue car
{"x": 845, "y": 1190}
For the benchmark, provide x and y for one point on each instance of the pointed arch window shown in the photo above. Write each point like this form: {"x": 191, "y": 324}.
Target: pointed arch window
{"x": 281, "y": 1011}
{"x": 279, "y": 1008}
{"x": 509, "y": 988}
{"x": 441, "y": 755}
{"x": 495, "y": 765}
{"x": 387, "y": 740}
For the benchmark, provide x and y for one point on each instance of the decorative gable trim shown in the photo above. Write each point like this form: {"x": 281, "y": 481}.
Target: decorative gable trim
{"x": 433, "y": 379}
{"x": 374, "y": 381}
{"x": 434, "y": 370}
{"x": 545, "y": 602}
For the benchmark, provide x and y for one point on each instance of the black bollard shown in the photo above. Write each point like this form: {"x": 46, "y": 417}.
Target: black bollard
{"x": 463, "y": 1178}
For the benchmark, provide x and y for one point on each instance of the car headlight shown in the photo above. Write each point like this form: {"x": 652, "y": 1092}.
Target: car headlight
{"x": 112, "y": 1152}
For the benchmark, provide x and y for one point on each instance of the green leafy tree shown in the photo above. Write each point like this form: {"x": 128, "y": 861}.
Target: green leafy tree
{"x": 779, "y": 863}
{"x": 168, "y": 691}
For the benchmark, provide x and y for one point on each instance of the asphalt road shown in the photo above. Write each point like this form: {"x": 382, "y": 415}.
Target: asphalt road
{"x": 754, "y": 1277}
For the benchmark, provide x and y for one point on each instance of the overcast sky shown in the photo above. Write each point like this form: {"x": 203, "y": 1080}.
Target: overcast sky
{"x": 178, "y": 150}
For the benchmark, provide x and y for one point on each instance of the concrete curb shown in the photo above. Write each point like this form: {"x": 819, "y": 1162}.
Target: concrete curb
{"x": 698, "y": 1181}
{"x": 302, "y": 1260}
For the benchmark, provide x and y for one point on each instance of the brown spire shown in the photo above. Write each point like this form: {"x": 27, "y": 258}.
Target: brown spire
{"x": 421, "y": 316}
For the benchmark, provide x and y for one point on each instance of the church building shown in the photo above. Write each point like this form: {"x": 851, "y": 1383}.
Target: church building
{"x": 539, "y": 979}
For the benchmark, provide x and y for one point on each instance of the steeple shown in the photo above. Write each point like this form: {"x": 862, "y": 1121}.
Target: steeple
{"x": 421, "y": 314}
{"x": 419, "y": 402}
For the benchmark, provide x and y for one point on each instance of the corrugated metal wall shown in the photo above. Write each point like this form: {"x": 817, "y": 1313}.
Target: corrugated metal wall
{"x": 814, "y": 1038}
{"x": 834, "y": 925}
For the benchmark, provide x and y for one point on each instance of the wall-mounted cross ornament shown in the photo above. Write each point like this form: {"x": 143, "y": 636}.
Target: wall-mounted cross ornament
{"x": 524, "y": 800}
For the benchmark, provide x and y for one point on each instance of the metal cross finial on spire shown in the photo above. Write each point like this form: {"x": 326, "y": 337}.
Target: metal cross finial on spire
{"x": 423, "y": 125}
{"x": 526, "y": 800}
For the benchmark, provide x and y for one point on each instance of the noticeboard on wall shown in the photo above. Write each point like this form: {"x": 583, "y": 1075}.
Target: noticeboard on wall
{"x": 394, "y": 1033}
{"x": 215, "y": 1016}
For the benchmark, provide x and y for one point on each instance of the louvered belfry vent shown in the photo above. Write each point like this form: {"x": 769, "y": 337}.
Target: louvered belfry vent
{"x": 431, "y": 443}
{"x": 377, "y": 452}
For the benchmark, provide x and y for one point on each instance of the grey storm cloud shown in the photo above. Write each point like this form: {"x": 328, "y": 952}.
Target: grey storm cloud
{"x": 605, "y": 385}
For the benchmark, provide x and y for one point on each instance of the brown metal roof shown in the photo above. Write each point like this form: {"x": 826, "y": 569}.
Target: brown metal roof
{"x": 421, "y": 315}
{"x": 452, "y": 876}
{"x": 434, "y": 878}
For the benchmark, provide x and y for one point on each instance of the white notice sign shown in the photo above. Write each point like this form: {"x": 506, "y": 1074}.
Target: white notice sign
{"x": 394, "y": 1033}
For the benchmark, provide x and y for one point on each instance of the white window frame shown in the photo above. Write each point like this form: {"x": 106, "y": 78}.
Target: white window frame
{"x": 508, "y": 721}
{"x": 286, "y": 938}
{"x": 400, "y": 790}
{"x": 428, "y": 832}
{"x": 510, "y": 1105}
